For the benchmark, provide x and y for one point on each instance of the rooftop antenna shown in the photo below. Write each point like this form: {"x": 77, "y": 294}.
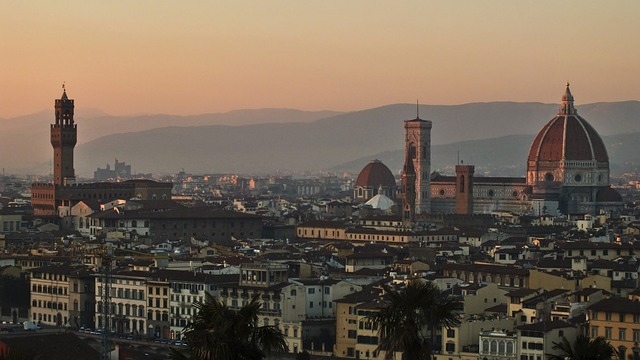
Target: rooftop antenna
{"x": 458, "y": 157}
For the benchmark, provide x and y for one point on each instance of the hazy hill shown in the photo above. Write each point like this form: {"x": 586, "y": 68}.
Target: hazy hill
{"x": 250, "y": 141}
{"x": 26, "y": 138}
{"x": 503, "y": 156}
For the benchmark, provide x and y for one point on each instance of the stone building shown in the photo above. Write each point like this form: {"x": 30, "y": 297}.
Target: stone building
{"x": 62, "y": 295}
{"x": 57, "y": 198}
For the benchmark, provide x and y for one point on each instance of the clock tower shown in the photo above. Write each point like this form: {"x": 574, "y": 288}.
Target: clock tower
{"x": 64, "y": 136}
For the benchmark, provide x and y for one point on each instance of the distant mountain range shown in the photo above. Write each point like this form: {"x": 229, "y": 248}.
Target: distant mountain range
{"x": 493, "y": 136}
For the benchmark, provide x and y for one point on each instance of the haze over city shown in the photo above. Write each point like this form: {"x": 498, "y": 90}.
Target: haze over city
{"x": 308, "y": 180}
{"x": 200, "y": 57}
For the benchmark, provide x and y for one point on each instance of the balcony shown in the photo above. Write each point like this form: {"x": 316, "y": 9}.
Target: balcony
{"x": 270, "y": 312}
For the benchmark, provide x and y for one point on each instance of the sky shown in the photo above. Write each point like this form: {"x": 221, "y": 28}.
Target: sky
{"x": 194, "y": 57}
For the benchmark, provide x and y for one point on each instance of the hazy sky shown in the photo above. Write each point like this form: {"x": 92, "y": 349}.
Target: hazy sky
{"x": 191, "y": 57}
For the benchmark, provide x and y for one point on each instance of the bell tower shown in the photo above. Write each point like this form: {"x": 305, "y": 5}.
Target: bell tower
{"x": 64, "y": 136}
{"x": 417, "y": 144}
{"x": 464, "y": 189}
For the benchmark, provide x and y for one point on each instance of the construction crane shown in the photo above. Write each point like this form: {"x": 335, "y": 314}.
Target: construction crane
{"x": 105, "y": 274}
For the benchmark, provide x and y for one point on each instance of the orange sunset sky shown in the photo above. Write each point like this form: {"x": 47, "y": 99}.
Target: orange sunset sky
{"x": 192, "y": 57}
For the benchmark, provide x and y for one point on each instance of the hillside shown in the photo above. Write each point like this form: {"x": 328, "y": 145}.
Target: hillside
{"x": 261, "y": 141}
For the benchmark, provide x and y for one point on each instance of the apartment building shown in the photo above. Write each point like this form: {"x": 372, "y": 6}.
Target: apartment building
{"x": 127, "y": 311}
{"x": 536, "y": 340}
{"x": 62, "y": 295}
{"x": 618, "y": 320}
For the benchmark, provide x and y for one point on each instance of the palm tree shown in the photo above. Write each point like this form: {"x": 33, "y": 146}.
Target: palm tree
{"x": 220, "y": 333}
{"x": 583, "y": 348}
{"x": 409, "y": 319}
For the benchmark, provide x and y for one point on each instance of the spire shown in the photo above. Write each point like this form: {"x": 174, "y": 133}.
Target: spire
{"x": 567, "y": 103}
{"x": 417, "y": 110}
{"x": 64, "y": 93}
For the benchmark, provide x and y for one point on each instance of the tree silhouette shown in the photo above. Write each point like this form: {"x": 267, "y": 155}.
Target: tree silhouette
{"x": 220, "y": 333}
{"x": 583, "y": 348}
{"x": 409, "y": 319}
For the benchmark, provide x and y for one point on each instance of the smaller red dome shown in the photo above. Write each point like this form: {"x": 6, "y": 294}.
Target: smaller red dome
{"x": 374, "y": 175}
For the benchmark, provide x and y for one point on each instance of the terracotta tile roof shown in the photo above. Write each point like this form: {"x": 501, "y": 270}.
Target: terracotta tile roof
{"x": 617, "y": 305}
{"x": 544, "y": 326}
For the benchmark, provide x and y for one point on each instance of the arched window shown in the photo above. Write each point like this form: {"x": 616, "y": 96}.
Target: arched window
{"x": 485, "y": 346}
{"x": 622, "y": 352}
{"x": 509, "y": 348}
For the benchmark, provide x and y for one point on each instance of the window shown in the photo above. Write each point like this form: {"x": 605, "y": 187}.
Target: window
{"x": 451, "y": 333}
{"x": 622, "y": 334}
{"x": 450, "y": 347}
{"x": 352, "y": 334}
{"x": 607, "y": 333}
{"x": 636, "y": 335}
{"x": 312, "y": 291}
{"x": 607, "y": 316}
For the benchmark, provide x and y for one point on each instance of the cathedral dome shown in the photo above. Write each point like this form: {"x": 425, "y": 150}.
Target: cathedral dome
{"x": 568, "y": 137}
{"x": 375, "y": 175}
{"x": 608, "y": 194}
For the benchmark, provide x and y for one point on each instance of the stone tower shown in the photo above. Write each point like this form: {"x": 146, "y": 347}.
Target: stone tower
{"x": 64, "y": 135}
{"x": 417, "y": 140}
{"x": 464, "y": 189}
{"x": 408, "y": 191}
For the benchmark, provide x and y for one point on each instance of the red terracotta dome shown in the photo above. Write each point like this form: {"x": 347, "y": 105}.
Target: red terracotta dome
{"x": 568, "y": 137}
{"x": 374, "y": 175}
